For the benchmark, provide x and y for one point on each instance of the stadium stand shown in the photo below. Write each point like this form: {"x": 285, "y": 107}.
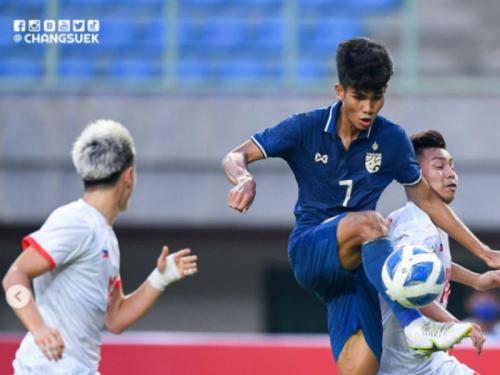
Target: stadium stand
{"x": 215, "y": 40}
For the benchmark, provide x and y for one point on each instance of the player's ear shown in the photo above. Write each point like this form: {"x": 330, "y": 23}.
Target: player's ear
{"x": 339, "y": 90}
{"x": 128, "y": 176}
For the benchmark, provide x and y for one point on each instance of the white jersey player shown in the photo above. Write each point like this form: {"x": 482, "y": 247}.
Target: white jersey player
{"x": 74, "y": 263}
{"x": 412, "y": 226}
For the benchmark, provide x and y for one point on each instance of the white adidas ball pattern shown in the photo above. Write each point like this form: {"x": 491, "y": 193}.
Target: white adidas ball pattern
{"x": 413, "y": 276}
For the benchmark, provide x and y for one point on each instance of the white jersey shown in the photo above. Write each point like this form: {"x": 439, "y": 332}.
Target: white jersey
{"x": 411, "y": 226}
{"x": 84, "y": 258}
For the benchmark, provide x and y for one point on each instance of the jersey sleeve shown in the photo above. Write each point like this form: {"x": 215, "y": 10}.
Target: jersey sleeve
{"x": 277, "y": 141}
{"x": 59, "y": 240}
{"x": 407, "y": 171}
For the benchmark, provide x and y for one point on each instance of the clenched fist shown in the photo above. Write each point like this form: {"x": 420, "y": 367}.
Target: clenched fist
{"x": 242, "y": 195}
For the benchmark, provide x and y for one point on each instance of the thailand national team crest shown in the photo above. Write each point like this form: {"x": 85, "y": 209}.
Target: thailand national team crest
{"x": 373, "y": 162}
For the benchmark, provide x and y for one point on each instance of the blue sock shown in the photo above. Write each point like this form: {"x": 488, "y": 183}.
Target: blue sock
{"x": 374, "y": 254}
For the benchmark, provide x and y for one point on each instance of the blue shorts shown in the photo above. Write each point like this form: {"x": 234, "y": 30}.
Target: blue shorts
{"x": 352, "y": 302}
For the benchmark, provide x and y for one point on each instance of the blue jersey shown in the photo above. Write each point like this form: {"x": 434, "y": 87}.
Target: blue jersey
{"x": 331, "y": 179}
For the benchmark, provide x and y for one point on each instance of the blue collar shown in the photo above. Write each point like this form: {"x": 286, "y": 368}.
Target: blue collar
{"x": 331, "y": 123}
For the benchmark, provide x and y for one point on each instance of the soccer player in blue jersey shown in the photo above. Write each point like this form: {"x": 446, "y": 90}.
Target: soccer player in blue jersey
{"x": 343, "y": 157}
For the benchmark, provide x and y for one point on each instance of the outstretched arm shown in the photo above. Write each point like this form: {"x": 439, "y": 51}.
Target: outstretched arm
{"x": 123, "y": 311}
{"x": 480, "y": 282}
{"x": 235, "y": 167}
{"x": 444, "y": 217}
{"x": 438, "y": 313}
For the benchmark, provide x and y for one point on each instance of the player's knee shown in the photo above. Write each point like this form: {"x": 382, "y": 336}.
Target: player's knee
{"x": 373, "y": 226}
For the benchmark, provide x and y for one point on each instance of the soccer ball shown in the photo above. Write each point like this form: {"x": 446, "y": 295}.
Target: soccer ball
{"x": 413, "y": 276}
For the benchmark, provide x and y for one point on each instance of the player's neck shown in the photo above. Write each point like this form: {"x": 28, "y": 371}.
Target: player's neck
{"x": 103, "y": 201}
{"x": 345, "y": 130}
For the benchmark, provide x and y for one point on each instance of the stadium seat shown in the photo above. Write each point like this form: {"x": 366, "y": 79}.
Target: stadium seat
{"x": 267, "y": 33}
{"x": 229, "y": 69}
{"x": 241, "y": 8}
{"x": 376, "y": 4}
{"x": 142, "y": 2}
{"x": 6, "y": 32}
{"x": 79, "y": 69}
{"x": 21, "y": 68}
{"x": 24, "y": 4}
{"x": 201, "y": 3}
{"x": 89, "y": 2}
{"x": 211, "y": 33}
{"x": 193, "y": 70}
{"x": 235, "y": 36}
{"x": 19, "y": 51}
{"x": 116, "y": 32}
{"x": 350, "y": 6}
{"x": 219, "y": 3}
{"x": 133, "y": 69}
{"x": 248, "y": 69}
{"x": 323, "y": 36}
{"x": 114, "y": 2}
{"x": 151, "y": 34}
{"x": 263, "y": 2}
{"x": 315, "y": 70}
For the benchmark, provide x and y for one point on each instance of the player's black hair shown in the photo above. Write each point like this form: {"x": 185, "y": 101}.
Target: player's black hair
{"x": 363, "y": 64}
{"x": 112, "y": 179}
{"x": 427, "y": 139}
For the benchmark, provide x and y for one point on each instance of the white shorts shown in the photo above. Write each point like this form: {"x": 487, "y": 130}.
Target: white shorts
{"x": 439, "y": 363}
{"x": 30, "y": 360}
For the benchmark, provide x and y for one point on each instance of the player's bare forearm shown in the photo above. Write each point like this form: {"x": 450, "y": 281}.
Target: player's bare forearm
{"x": 124, "y": 311}
{"x": 235, "y": 167}
{"x": 444, "y": 217}
{"x": 17, "y": 286}
{"x": 28, "y": 265}
{"x": 481, "y": 282}
{"x": 22, "y": 302}
{"x": 438, "y": 313}
{"x": 463, "y": 276}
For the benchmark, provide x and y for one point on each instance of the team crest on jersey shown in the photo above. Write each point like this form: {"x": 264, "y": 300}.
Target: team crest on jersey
{"x": 373, "y": 162}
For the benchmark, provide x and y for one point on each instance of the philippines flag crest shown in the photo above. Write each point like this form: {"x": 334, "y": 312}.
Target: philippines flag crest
{"x": 105, "y": 253}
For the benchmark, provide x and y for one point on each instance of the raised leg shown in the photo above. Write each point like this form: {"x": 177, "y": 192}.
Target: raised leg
{"x": 356, "y": 357}
{"x": 362, "y": 238}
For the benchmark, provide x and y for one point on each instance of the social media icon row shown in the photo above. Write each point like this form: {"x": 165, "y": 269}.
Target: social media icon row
{"x": 64, "y": 26}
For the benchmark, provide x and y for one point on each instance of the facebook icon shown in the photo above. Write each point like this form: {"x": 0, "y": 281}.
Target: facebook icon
{"x": 19, "y": 26}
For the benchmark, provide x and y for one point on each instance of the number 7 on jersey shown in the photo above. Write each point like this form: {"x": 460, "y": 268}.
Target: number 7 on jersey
{"x": 347, "y": 183}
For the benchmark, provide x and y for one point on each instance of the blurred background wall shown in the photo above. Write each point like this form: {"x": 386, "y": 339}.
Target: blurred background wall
{"x": 192, "y": 79}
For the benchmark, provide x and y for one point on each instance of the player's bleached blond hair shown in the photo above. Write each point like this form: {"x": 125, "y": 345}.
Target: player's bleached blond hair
{"x": 103, "y": 150}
